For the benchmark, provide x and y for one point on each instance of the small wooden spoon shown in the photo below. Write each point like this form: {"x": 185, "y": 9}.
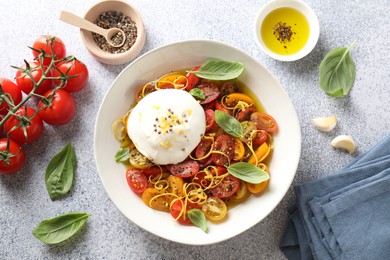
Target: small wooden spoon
{"x": 87, "y": 25}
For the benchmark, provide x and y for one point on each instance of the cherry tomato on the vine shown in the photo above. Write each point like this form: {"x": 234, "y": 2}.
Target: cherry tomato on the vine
{"x": 12, "y": 92}
{"x": 12, "y": 156}
{"x": 24, "y": 118}
{"x": 75, "y": 70}
{"x": 57, "y": 49}
{"x": 25, "y": 83}
{"x": 61, "y": 110}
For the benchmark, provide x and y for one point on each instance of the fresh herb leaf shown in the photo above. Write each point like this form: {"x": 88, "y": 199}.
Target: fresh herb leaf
{"x": 219, "y": 70}
{"x": 122, "y": 155}
{"x": 337, "y": 72}
{"x": 58, "y": 229}
{"x": 247, "y": 172}
{"x": 60, "y": 172}
{"x": 229, "y": 124}
{"x": 196, "y": 92}
{"x": 198, "y": 218}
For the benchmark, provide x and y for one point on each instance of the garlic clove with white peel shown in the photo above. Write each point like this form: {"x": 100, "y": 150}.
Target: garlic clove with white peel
{"x": 344, "y": 142}
{"x": 325, "y": 124}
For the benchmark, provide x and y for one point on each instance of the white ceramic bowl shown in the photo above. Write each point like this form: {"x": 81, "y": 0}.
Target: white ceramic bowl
{"x": 186, "y": 54}
{"x": 303, "y": 8}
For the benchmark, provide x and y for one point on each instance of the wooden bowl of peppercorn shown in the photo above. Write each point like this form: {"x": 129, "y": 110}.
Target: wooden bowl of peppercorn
{"x": 120, "y": 14}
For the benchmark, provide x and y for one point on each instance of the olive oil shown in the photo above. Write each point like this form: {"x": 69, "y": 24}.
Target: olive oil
{"x": 285, "y": 31}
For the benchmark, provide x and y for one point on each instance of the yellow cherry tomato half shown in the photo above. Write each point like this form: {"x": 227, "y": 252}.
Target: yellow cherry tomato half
{"x": 258, "y": 187}
{"x": 239, "y": 149}
{"x": 232, "y": 100}
{"x": 156, "y": 199}
{"x": 174, "y": 80}
{"x": 261, "y": 153}
{"x": 214, "y": 209}
{"x": 138, "y": 160}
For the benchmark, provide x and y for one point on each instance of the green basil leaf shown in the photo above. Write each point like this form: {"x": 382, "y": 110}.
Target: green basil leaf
{"x": 60, "y": 172}
{"x": 337, "y": 72}
{"x": 58, "y": 229}
{"x": 196, "y": 92}
{"x": 198, "y": 218}
{"x": 247, "y": 172}
{"x": 122, "y": 155}
{"x": 229, "y": 124}
{"x": 219, "y": 70}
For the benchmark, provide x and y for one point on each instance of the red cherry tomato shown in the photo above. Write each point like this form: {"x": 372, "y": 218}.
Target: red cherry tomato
{"x": 75, "y": 69}
{"x": 228, "y": 186}
{"x": 210, "y": 119}
{"x": 12, "y": 156}
{"x": 154, "y": 170}
{"x": 25, "y": 83}
{"x": 260, "y": 138}
{"x": 245, "y": 115}
{"x": 203, "y": 148}
{"x": 184, "y": 169}
{"x": 218, "y": 106}
{"x": 176, "y": 209}
{"x": 15, "y": 127}
{"x": 136, "y": 180}
{"x": 43, "y": 44}
{"x": 224, "y": 144}
{"x": 61, "y": 110}
{"x": 192, "y": 79}
{"x": 210, "y": 91}
{"x": 264, "y": 122}
{"x": 12, "y": 92}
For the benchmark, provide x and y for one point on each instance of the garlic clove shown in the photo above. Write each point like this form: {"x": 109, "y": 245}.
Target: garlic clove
{"x": 344, "y": 142}
{"x": 325, "y": 124}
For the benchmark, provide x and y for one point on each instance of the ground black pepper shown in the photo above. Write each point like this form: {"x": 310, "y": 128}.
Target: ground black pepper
{"x": 283, "y": 32}
{"x": 116, "y": 19}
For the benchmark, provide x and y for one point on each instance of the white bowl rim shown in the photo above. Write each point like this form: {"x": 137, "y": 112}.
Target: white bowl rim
{"x": 300, "y": 6}
{"x": 246, "y": 226}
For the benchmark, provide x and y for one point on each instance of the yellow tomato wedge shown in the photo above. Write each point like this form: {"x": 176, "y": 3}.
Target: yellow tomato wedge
{"x": 156, "y": 199}
{"x": 239, "y": 149}
{"x": 232, "y": 99}
{"x": 261, "y": 153}
{"x": 174, "y": 80}
{"x": 214, "y": 209}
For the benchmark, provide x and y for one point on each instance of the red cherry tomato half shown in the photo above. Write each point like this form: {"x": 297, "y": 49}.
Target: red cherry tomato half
{"x": 228, "y": 186}
{"x": 61, "y": 110}
{"x": 192, "y": 79}
{"x": 136, "y": 180}
{"x": 184, "y": 169}
{"x": 210, "y": 119}
{"x": 176, "y": 209}
{"x": 210, "y": 91}
{"x": 57, "y": 48}
{"x": 12, "y": 92}
{"x": 218, "y": 106}
{"x": 17, "y": 156}
{"x": 264, "y": 122}
{"x": 76, "y": 70}
{"x": 154, "y": 170}
{"x": 15, "y": 127}
{"x": 203, "y": 148}
{"x": 260, "y": 138}
{"x": 26, "y": 84}
{"x": 245, "y": 115}
{"x": 225, "y": 145}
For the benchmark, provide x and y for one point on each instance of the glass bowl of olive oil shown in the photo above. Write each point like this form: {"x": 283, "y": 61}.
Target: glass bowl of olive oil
{"x": 286, "y": 30}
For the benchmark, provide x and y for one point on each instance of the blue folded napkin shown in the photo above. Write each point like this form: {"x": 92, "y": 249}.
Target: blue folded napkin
{"x": 345, "y": 215}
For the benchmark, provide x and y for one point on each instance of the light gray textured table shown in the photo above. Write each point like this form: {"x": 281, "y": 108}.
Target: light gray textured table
{"x": 364, "y": 114}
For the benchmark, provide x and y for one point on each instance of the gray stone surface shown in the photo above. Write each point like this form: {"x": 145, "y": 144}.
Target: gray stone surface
{"x": 363, "y": 114}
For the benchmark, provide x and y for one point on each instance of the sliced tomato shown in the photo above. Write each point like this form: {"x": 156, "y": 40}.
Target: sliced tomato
{"x": 214, "y": 209}
{"x": 184, "y": 169}
{"x": 177, "y": 208}
{"x": 210, "y": 119}
{"x": 156, "y": 199}
{"x": 203, "y": 148}
{"x": 229, "y": 87}
{"x": 260, "y": 138}
{"x": 136, "y": 180}
{"x": 225, "y": 145}
{"x": 200, "y": 178}
{"x": 219, "y": 170}
{"x": 210, "y": 91}
{"x": 245, "y": 115}
{"x": 210, "y": 105}
{"x": 264, "y": 122}
{"x": 227, "y": 187}
{"x": 193, "y": 80}
{"x": 153, "y": 170}
{"x": 218, "y": 106}
{"x": 206, "y": 162}
{"x": 258, "y": 187}
{"x": 239, "y": 149}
